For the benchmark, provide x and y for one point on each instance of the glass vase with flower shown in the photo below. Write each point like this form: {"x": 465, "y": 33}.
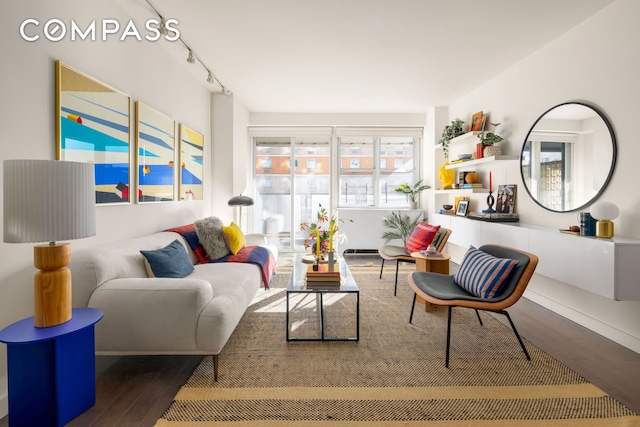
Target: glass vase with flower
{"x": 321, "y": 234}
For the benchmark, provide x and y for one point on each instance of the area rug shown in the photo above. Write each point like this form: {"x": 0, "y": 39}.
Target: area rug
{"x": 394, "y": 376}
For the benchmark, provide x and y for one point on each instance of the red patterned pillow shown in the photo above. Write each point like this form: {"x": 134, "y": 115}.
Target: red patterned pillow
{"x": 421, "y": 237}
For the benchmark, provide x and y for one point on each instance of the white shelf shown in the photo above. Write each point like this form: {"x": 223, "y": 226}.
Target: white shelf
{"x": 482, "y": 160}
{"x": 462, "y": 138}
{"x": 463, "y": 191}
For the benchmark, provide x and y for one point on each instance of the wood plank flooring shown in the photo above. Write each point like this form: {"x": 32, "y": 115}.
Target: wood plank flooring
{"x": 136, "y": 390}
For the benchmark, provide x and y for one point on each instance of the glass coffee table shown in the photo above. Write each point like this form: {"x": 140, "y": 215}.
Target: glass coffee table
{"x": 298, "y": 285}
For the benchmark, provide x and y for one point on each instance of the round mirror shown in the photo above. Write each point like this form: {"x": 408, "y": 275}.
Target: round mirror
{"x": 568, "y": 157}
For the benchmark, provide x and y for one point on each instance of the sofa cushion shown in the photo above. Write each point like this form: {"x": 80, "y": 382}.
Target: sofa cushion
{"x": 211, "y": 236}
{"x": 234, "y": 237}
{"x": 483, "y": 275}
{"x": 421, "y": 237}
{"x": 170, "y": 261}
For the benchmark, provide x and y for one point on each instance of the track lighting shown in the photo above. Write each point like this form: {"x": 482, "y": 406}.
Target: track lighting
{"x": 190, "y": 58}
{"x": 163, "y": 27}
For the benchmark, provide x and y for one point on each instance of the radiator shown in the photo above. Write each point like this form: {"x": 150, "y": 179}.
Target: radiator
{"x": 363, "y": 234}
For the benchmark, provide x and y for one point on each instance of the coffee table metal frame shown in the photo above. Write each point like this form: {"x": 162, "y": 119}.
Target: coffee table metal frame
{"x": 297, "y": 285}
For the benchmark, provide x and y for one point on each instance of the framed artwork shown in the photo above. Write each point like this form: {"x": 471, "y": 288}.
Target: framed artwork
{"x": 457, "y": 201}
{"x": 92, "y": 126}
{"x": 354, "y": 163}
{"x": 463, "y": 207}
{"x": 155, "y": 155}
{"x": 477, "y": 121}
{"x": 506, "y": 199}
{"x": 191, "y": 166}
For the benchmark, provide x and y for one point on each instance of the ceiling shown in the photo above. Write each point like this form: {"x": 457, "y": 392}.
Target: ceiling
{"x": 364, "y": 56}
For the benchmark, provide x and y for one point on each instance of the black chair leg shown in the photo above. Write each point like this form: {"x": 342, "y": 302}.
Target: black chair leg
{"x": 381, "y": 267}
{"x": 515, "y": 331}
{"x": 446, "y": 361}
{"x": 395, "y": 287}
{"x": 413, "y": 307}
{"x": 479, "y": 319}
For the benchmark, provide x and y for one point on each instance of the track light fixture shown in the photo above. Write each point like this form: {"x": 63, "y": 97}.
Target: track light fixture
{"x": 190, "y": 58}
{"x": 163, "y": 26}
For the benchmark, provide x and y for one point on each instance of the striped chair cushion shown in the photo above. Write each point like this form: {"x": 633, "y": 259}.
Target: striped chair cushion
{"x": 483, "y": 275}
{"x": 421, "y": 237}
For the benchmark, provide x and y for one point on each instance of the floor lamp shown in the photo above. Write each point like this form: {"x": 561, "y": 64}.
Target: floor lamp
{"x": 49, "y": 201}
{"x": 240, "y": 201}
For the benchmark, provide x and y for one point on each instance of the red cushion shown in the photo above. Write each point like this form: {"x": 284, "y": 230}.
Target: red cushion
{"x": 421, "y": 237}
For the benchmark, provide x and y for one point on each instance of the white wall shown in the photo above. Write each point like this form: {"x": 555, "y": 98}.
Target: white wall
{"x": 597, "y": 62}
{"x": 143, "y": 70}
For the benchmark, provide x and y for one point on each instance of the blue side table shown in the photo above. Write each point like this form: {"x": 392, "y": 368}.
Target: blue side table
{"x": 52, "y": 371}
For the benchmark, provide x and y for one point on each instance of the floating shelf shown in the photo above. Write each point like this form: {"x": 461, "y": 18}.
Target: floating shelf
{"x": 461, "y": 138}
{"x": 483, "y": 160}
{"x": 463, "y": 191}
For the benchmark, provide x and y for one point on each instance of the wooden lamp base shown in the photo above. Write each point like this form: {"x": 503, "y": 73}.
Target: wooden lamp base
{"x": 52, "y": 285}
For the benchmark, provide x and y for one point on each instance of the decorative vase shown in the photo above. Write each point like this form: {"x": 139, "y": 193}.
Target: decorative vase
{"x": 492, "y": 150}
{"x": 479, "y": 150}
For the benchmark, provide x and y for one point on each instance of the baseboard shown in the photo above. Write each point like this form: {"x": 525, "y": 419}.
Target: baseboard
{"x": 616, "y": 335}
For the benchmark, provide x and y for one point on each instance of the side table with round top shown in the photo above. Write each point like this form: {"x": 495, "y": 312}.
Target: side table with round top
{"x": 433, "y": 264}
{"x": 52, "y": 371}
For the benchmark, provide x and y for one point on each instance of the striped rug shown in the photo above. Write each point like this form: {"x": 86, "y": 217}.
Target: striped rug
{"x": 395, "y": 375}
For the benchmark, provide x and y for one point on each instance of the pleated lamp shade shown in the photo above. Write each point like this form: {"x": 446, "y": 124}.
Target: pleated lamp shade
{"x": 48, "y": 201}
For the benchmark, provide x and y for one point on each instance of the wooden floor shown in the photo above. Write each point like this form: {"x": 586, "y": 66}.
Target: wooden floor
{"x": 136, "y": 390}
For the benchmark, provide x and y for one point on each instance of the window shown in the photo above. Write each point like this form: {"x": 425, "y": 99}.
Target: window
{"x": 361, "y": 183}
{"x": 369, "y": 163}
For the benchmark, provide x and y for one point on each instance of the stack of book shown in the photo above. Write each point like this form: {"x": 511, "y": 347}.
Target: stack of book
{"x": 473, "y": 185}
{"x": 323, "y": 278}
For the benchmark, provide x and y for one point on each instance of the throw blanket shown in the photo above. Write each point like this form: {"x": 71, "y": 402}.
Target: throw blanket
{"x": 249, "y": 254}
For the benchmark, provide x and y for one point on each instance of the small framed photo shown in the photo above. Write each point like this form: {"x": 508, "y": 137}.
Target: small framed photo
{"x": 506, "y": 198}
{"x": 463, "y": 207}
{"x": 477, "y": 121}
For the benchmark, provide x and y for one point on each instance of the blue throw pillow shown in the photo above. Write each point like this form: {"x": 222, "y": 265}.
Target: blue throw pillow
{"x": 170, "y": 261}
{"x": 483, "y": 275}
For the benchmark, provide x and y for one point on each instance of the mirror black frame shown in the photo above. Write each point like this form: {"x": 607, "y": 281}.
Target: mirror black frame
{"x": 613, "y": 157}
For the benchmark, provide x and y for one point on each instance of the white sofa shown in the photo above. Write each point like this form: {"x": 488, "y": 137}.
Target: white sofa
{"x": 191, "y": 315}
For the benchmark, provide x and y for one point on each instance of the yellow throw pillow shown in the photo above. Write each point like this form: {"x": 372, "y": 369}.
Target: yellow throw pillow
{"x": 234, "y": 237}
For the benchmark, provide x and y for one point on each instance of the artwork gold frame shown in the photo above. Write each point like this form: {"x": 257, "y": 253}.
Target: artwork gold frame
{"x": 92, "y": 126}
{"x": 155, "y": 155}
{"x": 191, "y": 175}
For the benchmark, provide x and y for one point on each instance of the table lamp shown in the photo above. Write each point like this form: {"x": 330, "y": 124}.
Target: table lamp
{"x": 604, "y": 212}
{"x": 49, "y": 201}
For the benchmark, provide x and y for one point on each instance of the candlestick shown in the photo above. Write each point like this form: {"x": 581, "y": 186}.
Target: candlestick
{"x": 318, "y": 243}
{"x": 330, "y": 238}
{"x": 490, "y": 201}
{"x": 490, "y": 181}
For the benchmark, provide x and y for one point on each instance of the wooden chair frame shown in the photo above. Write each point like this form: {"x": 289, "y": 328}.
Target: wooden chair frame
{"x": 494, "y": 306}
{"x": 408, "y": 258}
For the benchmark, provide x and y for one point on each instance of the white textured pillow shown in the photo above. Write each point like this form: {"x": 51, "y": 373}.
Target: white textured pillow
{"x": 211, "y": 236}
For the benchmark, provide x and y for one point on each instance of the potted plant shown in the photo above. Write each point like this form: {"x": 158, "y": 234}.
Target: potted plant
{"x": 399, "y": 226}
{"x": 450, "y": 132}
{"x": 488, "y": 141}
{"x": 412, "y": 192}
